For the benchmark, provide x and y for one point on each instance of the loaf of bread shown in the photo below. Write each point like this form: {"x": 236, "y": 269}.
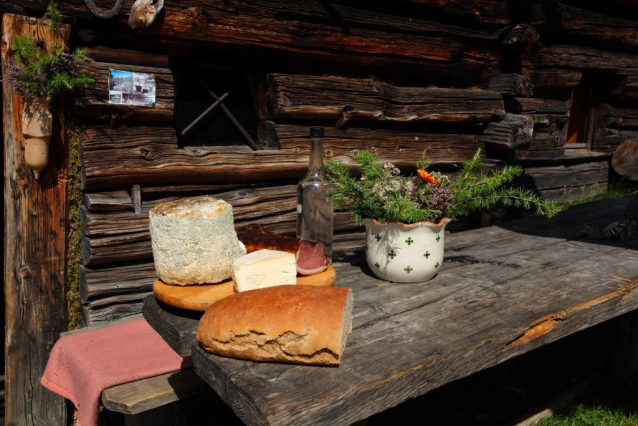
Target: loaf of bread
{"x": 194, "y": 241}
{"x": 298, "y": 324}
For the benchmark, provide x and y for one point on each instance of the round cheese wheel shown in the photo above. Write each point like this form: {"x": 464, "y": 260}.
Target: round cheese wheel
{"x": 194, "y": 240}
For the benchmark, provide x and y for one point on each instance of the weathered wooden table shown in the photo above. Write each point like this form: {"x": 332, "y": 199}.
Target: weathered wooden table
{"x": 502, "y": 291}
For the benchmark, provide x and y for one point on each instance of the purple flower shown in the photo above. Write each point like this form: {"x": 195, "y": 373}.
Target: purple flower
{"x": 441, "y": 197}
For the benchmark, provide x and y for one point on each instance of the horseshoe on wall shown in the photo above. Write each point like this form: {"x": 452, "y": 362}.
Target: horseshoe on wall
{"x": 104, "y": 14}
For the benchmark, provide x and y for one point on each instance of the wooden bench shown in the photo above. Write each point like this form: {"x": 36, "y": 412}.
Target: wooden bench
{"x": 502, "y": 291}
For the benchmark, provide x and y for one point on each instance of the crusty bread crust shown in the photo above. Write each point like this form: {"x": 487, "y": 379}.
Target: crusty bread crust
{"x": 299, "y": 324}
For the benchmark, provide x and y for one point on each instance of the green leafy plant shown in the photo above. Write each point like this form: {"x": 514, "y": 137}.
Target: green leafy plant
{"x": 38, "y": 73}
{"x": 382, "y": 193}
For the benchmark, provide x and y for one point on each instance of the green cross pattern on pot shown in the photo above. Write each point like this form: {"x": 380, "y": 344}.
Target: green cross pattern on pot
{"x": 427, "y": 255}
{"x": 437, "y": 265}
{"x": 438, "y": 238}
{"x": 408, "y": 269}
{"x": 409, "y": 241}
{"x": 378, "y": 237}
{"x": 392, "y": 254}
{"x": 377, "y": 265}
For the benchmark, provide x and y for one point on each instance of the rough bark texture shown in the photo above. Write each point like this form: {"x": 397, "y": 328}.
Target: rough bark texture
{"x": 35, "y": 255}
{"x": 511, "y": 85}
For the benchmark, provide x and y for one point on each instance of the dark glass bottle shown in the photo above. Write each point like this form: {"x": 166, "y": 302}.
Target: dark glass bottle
{"x": 315, "y": 210}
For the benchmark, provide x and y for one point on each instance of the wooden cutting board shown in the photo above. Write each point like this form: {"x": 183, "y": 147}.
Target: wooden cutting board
{"x": 200, "y": 297}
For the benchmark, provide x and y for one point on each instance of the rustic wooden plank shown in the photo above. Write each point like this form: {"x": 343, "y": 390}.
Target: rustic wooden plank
{"x": 565, "y": 23}
{"x": 468, "y": 318}
{"x": 129, "y": 247}
{"x": 555, "y": 83}
{"x": 108, "y": 201}
{"x": 579, "y": 57}
{"x": 607, "y": 139}
{"x": 351, "y": 100}
{"x": 569, "y": 181}
{"x": 113, "y": 158}
{"x": 535, "y": 106}
{"x": 511, "y": 84}
{"x": 104, "y": 314}
{"x": 128, "y": 57}
{"x": 610, "y": 116}
{"x": 143, "y": 395}
{"x": 92, "y": 102}
{"x": 104, "y": 282}
{"x": 36, "y": 230}
{"x": 176, "y": 326}
{"x": 343, "y": 143}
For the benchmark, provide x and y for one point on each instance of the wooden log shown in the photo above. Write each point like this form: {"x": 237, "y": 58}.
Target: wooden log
{"x": 309, "y": 26}
{"x": 129, "y": 247}
{"x": 93, "y": 101}
{"x": 128, "y": 57}
{"x": 513, "y": 132}
{"x": 108, "y": 201}
{"x": 535, "y": 106}
{"x": 543, "y": 146}
{"x": 562, "y": 183}
{"x": 343, "y": 143}
{"x": 564, "y": 23}
{"x": 484, "y": 12}
{"x": 521, "y": 38}
{"x": 511, "y": 85}
{"x": 326, "y": 98}
{"x": 610, "y": 116}
{"x": 35, "y": 238}
{"x": 607, "y": 140}
{"x": 105, "y": 314}
{"x": 625, "y": 160}
{"x": 555, "y": 83}
{"x": 582, "y": 58}
{"x": 113, "y": 158}
{"x": 106, "y": 282}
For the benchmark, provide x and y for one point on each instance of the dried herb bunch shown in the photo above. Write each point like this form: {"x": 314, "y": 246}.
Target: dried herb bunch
{"x": 38, "y": 73}
{"x": 382, "y": 193}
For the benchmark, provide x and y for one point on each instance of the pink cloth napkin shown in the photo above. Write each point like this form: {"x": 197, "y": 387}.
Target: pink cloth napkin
{"x": 82, "y": 365}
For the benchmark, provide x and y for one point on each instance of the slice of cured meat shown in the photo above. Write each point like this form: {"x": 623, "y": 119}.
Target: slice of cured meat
{"x": 255, "y": 238}
{"x": 311, "y": 257}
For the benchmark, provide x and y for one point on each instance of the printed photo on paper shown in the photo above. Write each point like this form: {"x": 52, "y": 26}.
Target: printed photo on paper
{"x": 131, "y": 88}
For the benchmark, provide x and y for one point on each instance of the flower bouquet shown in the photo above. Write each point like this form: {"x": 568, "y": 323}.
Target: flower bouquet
{"x": 405, "y": 216}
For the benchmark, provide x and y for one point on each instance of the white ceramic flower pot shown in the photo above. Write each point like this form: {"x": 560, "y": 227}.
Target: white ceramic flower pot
{"x": 405, "y": 253}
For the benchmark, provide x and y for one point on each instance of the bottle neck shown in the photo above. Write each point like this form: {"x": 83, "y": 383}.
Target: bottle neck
{"x": 316, "y": 155}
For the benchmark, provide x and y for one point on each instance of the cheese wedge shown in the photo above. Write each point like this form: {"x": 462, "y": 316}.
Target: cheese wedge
{"x": 264, "y": 268}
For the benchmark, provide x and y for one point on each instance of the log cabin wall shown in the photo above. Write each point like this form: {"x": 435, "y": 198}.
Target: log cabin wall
{"x": 397, "y": 77}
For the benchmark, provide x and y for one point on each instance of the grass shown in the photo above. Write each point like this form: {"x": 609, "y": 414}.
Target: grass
{"x": 608, "y": 405}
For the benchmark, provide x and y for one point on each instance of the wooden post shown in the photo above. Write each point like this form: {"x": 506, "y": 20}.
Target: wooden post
{"x": 35, "y": 215}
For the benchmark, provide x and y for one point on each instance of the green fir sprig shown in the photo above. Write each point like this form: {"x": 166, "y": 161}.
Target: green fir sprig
{"x": 382, "y": 193}
{"x": 46, "y": 73}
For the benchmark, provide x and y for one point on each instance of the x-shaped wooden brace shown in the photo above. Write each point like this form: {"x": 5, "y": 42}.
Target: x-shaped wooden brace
{"x": 219, "y": 101}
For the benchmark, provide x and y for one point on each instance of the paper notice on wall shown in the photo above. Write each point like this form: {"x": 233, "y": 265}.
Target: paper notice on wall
{"x": 131, "y": 88}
